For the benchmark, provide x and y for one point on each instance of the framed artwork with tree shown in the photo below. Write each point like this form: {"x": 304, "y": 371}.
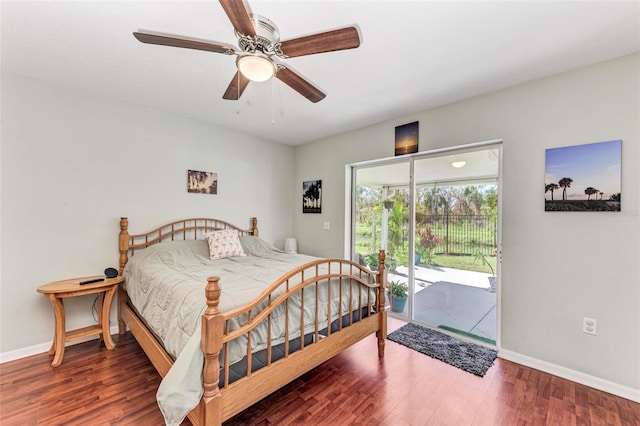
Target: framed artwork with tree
{"x": 202, "y": 182}
{"x": 312, "y": 196}
{"x": 583, "y": 177}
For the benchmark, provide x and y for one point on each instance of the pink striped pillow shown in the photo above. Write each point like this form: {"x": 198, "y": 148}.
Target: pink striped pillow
{"x": 223, "y": 244}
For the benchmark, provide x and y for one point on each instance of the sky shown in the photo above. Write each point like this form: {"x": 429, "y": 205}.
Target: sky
{"x": 596, "y": 165}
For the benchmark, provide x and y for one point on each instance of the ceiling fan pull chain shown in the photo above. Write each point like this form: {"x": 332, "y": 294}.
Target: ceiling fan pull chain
{"x": 273, "y": 97}
{"x": 238, "y": 87}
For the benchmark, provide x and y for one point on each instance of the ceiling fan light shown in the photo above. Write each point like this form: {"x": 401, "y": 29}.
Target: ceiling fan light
{"x": 458, "y": 164}
{"x": 256, "y": 67}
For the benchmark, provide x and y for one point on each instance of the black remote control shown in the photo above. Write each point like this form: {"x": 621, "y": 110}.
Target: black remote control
{"x": 91, "y": 281}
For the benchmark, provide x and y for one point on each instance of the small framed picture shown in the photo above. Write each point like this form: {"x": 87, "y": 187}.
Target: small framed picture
{"x": 312, "y": 196}
{"x": 202, "y": 182}
{"x": 406, "y": 138}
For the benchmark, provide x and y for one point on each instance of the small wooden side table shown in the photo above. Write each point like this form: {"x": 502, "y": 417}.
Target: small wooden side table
{"x": 59, "y": 290}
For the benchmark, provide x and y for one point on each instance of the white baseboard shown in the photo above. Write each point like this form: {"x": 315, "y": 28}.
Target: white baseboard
{"x": 573, "y": 375}
{"x": 43, "y": 347}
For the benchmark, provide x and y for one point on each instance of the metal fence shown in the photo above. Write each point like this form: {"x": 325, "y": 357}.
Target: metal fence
{"x": 463, "y": 234}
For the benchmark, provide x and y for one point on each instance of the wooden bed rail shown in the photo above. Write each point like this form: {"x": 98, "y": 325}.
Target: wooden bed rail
{"x": 216, "y": 325}
{"x": 184, "y": 229}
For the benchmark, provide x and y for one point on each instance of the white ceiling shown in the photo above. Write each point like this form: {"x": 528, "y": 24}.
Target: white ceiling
{"x": 414, "y": 55}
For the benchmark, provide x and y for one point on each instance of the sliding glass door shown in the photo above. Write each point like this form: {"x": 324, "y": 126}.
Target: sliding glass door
{"x": 456, "y": 235}
{"x": 436, "y": 215}
{"x": 381, "y": 218}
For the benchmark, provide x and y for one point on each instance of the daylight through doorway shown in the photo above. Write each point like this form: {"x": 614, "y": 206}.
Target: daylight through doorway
{"x": 441, "y": 233}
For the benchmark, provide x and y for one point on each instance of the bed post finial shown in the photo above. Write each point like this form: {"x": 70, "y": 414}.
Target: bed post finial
{"x": 123, "y": 247}
{"x": 254, "y": 226}
{"x": 123, "y": 243}
{"x": 212, "y": 333}
{"x": 382, "y": 327}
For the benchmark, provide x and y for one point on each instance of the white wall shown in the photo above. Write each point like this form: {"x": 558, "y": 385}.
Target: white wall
{"x": 74, "y": 163}
{"x": 557, "y": 267}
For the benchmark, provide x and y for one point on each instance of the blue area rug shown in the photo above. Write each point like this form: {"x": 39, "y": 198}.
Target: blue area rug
{"x": 467, "y": 356}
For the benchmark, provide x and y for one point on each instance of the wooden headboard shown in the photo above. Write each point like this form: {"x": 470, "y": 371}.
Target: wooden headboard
{"x": 185, "y": 229}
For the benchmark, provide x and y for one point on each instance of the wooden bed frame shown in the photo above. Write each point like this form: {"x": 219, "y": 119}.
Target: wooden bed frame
{"x": 220, "y": 404}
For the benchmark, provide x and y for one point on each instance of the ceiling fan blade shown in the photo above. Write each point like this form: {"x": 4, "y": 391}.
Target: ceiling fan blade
{"x": 299, "y": 84}
{"x": 238, "y": 12}
{"x": 186, "y": 42}
{"x": 236, "y": 87}
{"x": 328, "y": 41}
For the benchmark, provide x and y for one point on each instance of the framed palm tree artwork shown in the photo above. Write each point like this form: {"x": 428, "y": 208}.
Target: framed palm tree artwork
{"x": 312, "y": 196}
{"x": 583, "y": 178}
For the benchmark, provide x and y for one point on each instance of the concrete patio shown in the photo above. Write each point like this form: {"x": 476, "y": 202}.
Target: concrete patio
{"x": 452, "y": 298}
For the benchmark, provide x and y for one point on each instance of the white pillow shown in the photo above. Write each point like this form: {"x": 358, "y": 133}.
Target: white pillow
{"x": 256, "y": 246}
{"x": 223, "y": 244}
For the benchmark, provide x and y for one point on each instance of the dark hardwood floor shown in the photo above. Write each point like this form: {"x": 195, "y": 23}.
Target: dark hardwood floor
{"x": 94, "y": 386}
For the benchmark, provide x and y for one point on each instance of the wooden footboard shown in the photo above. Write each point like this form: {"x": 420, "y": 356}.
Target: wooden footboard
{"x": 360, "y": 311}
{"x": 218, "y": 404}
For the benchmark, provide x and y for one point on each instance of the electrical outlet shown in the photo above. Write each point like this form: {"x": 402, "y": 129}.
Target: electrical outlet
{"x": 326, "y": 226}
{"x": 589, "y": 326}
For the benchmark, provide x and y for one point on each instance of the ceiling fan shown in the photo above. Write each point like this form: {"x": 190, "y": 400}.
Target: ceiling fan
{"x": 260, "y": 50}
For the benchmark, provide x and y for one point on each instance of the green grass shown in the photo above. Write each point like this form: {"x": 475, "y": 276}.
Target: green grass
{"x": 467, "y": 334}
{"x": 466, "y": 263}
